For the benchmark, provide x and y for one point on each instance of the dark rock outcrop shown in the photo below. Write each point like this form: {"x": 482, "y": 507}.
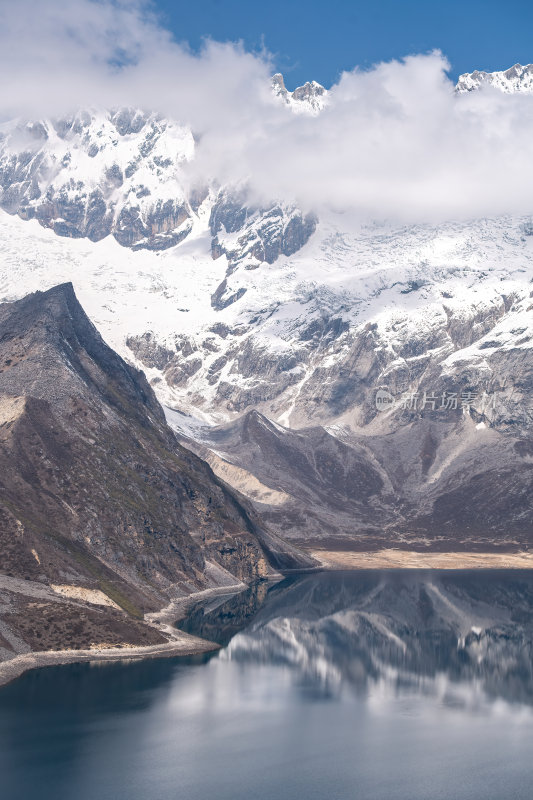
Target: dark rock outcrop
{"x": 265, "y": 233}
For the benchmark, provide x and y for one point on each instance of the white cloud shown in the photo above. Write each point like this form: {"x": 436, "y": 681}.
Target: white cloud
{"x": 394, "y": 141}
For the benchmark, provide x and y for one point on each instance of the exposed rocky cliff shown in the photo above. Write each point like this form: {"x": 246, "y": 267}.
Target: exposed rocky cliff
{"x": 96, "y": 494}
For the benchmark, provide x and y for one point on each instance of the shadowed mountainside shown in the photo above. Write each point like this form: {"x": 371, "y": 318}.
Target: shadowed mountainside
{"x": 96, "y": 494}
{"x": 446, "y": 483}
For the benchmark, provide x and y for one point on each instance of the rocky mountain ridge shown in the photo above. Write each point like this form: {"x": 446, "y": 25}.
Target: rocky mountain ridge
{"x": 428, "y": 483}
{"x": 98, "y": 501}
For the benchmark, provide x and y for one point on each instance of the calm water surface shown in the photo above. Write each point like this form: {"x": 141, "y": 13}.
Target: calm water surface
{"x": 378, "y": 686}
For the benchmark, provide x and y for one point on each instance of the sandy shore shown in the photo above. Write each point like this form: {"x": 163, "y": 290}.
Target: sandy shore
{"x": 410, "y": 559}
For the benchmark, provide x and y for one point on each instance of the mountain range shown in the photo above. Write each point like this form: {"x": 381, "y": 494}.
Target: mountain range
{"x": 359, "y": 383}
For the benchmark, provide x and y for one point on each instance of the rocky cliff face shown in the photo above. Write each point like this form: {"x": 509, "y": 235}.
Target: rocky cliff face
{"x": 96, "y": 494}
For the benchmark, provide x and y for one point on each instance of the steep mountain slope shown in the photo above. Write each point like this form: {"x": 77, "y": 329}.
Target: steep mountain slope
{"x": 96, "y": 495}
{"x": 306, "y": 483}
{"x": 428, "y": 483}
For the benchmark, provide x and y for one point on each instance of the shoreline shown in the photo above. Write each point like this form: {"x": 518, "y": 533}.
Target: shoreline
{"x": 391, "y": 558}
{"x": 182, "y": 645}
{"x": 179, "y": 643}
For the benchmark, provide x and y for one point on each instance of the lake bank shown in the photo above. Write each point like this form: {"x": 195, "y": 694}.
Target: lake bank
{"x": 411, "y": 559}
{"x": 182, "y": 645}
{"x": 403, "y": 684}
{"x": 179, "y": 643}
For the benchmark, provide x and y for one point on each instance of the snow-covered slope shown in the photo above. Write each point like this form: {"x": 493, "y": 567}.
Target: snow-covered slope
{"x": 310, "y": 336}
{"x": 123, "y": 173}
{"x": 98, "y": 173}
{"x": 515, "y": 79}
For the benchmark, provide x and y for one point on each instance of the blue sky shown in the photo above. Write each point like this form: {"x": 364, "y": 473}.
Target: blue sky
{"x": 317, "y": 40}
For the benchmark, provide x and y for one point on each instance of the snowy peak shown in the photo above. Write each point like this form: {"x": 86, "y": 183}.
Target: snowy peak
{"x": 98, "y": 173}
{"x": 511, "y": 81}
{"x": 309, "y": 98}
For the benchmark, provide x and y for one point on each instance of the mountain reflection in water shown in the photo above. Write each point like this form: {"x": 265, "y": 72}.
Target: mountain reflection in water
{"x": 405, "y": 630}
{"x": 333, "y": 686}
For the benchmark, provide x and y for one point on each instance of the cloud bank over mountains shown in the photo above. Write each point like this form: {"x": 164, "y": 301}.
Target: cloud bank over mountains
{"x": 393, "y": 142}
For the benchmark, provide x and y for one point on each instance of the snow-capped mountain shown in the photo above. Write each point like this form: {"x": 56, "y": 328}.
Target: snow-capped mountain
{"x": 121, "y": 173}
{"x": 312, "y": 335}
{"x": 230, "y": 307}
{"x": 97, "y": 173}
{"x": 307, "y": 99}
{"x": 515, "y": 79}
